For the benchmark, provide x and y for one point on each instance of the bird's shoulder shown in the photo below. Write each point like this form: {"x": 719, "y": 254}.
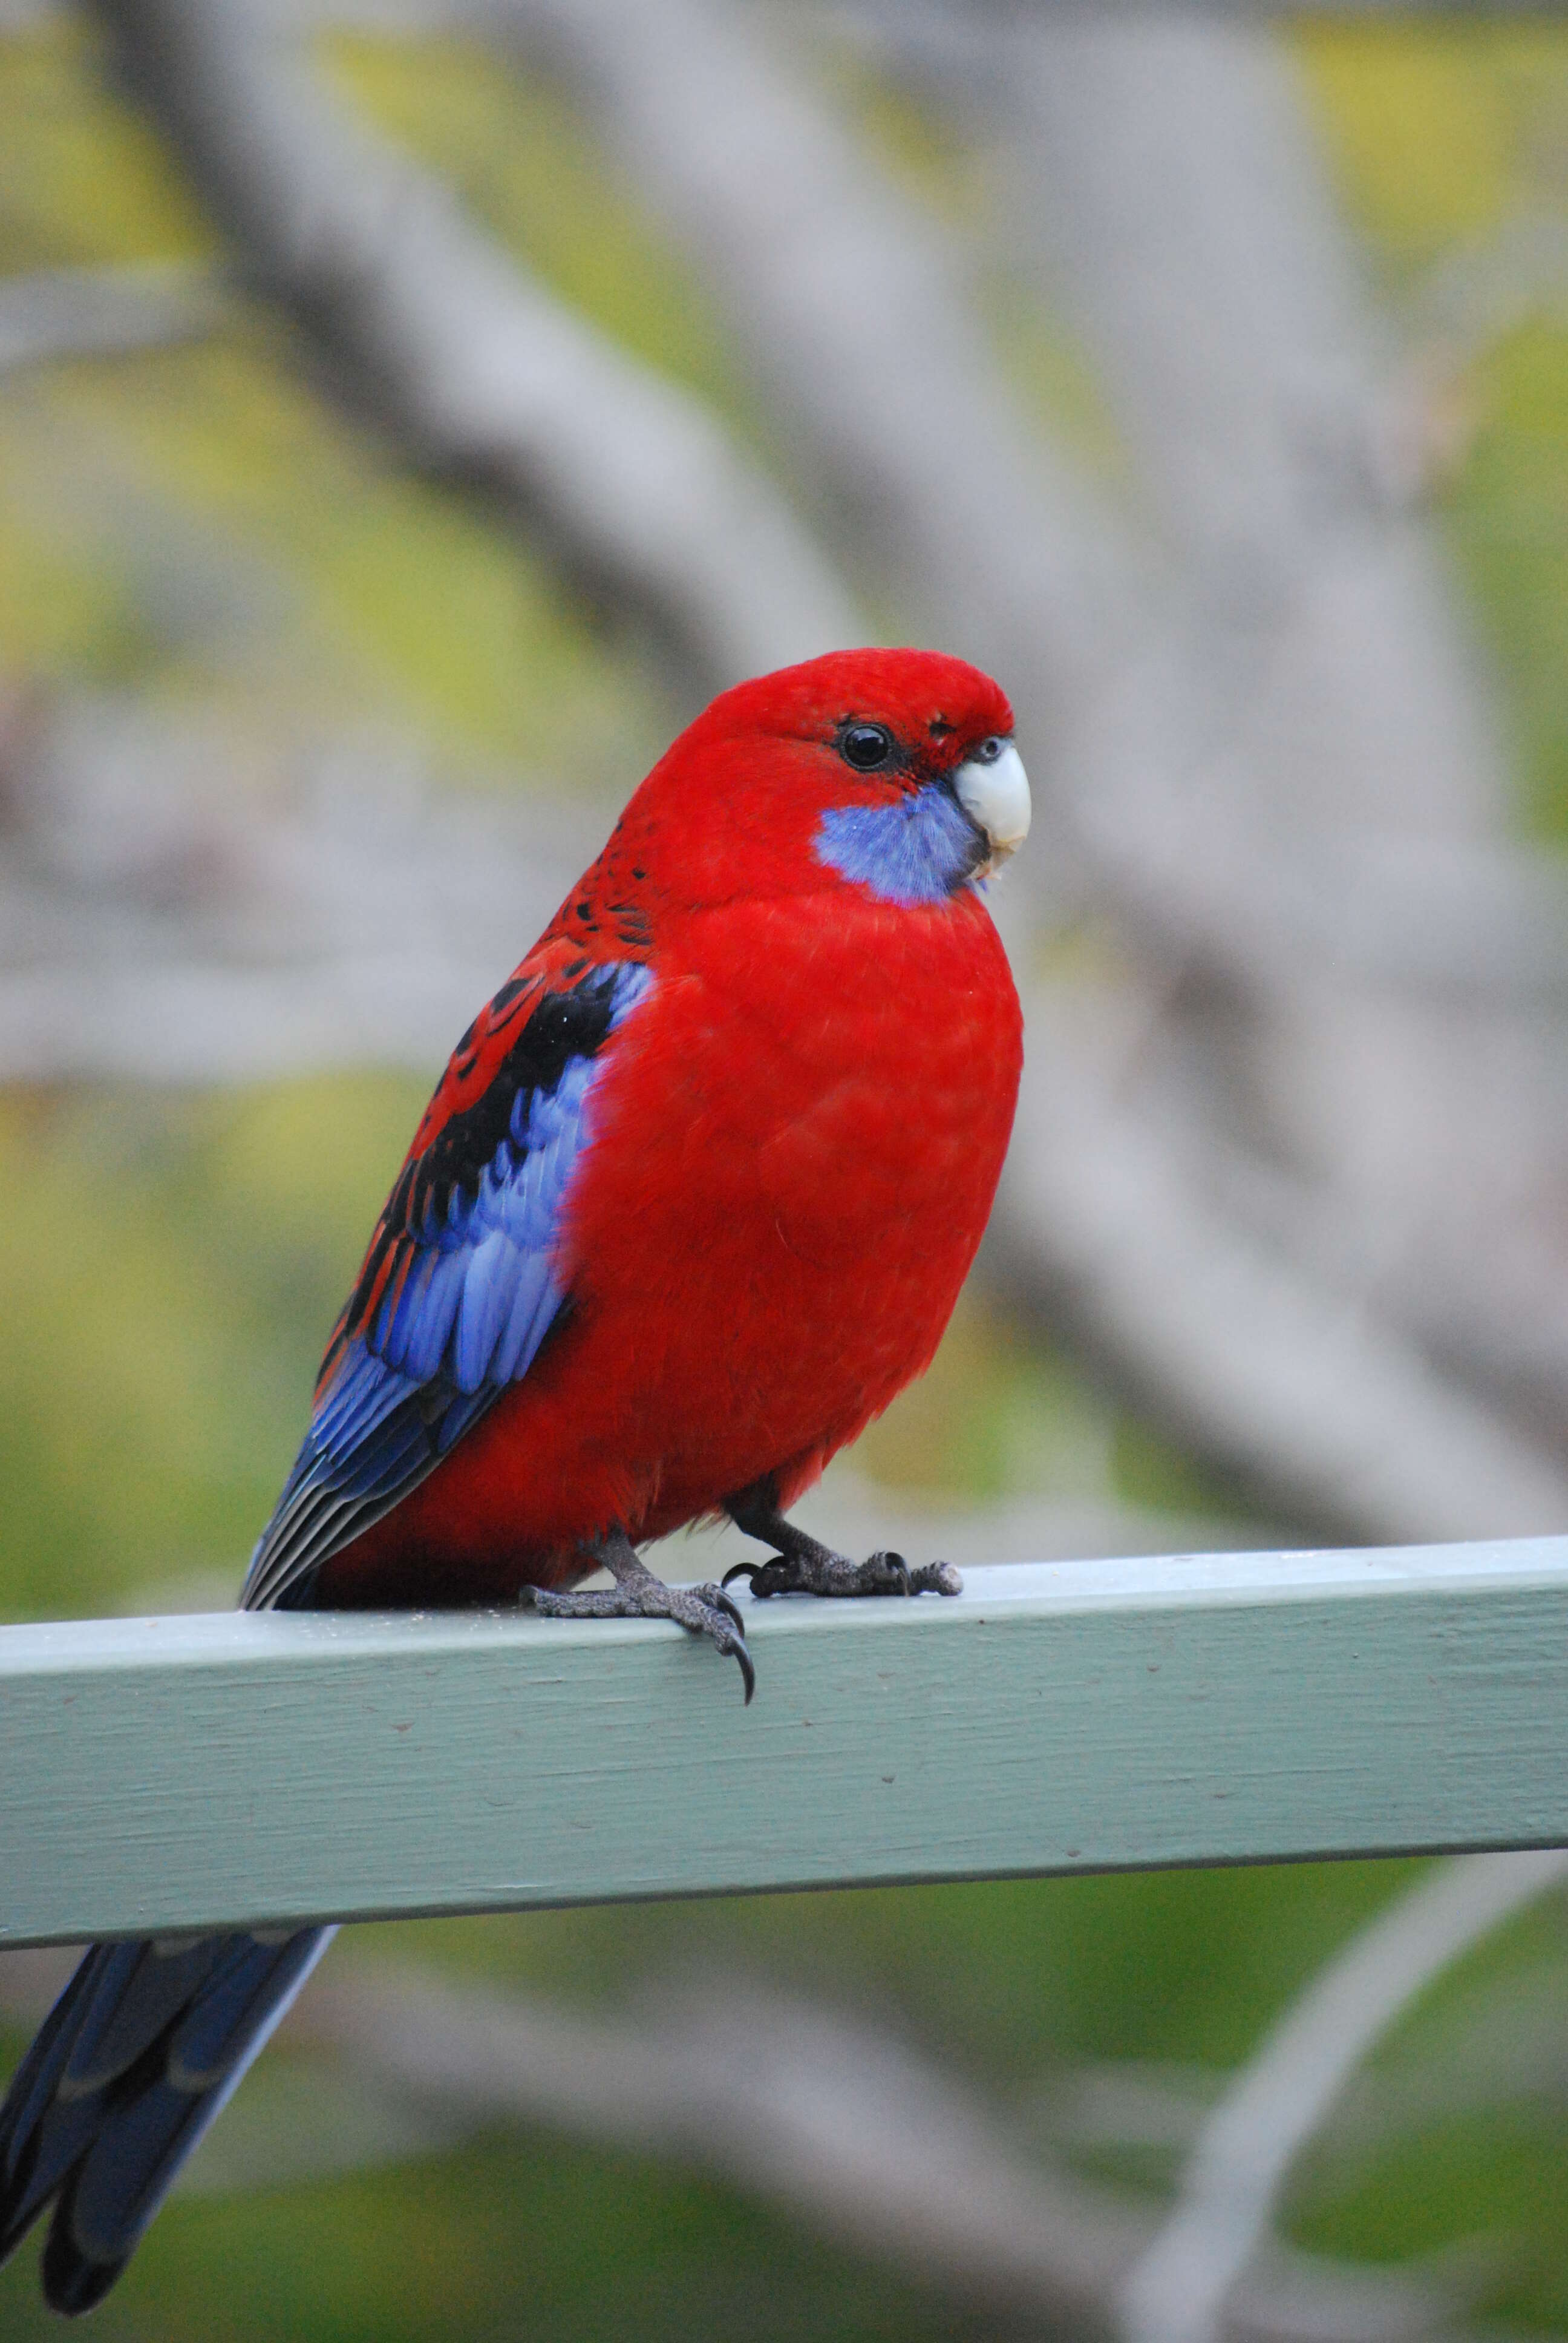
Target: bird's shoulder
{"x": 547, "y": 1022}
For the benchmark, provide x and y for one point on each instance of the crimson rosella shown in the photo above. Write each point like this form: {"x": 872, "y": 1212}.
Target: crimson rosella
{"x": 692, "y": 1201}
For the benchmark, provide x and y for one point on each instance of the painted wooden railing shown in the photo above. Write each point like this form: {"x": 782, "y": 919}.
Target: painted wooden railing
{"x": 160, "y": 1774}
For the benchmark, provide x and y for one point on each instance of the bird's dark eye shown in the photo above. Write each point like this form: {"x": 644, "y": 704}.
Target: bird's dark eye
{"x": 988, "y": 751}
{"x": 865, "y": 746}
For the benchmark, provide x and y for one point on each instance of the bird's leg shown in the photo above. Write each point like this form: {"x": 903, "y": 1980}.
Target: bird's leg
{"x": 638, "y": 1594}
{"x": 802, "y": 1565}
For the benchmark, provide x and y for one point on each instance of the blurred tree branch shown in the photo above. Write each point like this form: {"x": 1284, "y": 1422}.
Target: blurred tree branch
{"x": 433, "y": 327}
{"x": 147, "y": 933}
{"x": 1317, "y": 1408}
{"x": 1261, "y": 395}
{"x": 1179, "y": 2290}
{"x": 95, "y": 313}
{"x": 847, "y": 2127}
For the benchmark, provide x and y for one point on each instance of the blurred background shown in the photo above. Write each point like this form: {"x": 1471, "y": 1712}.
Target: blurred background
{"x": 408, "y": 415}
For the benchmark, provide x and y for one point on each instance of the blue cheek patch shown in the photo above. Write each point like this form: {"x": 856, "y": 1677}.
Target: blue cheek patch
{"x": 920, "y": 850}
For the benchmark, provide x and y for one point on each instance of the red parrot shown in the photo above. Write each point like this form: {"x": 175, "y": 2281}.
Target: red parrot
{"x": 692, "y": 1202}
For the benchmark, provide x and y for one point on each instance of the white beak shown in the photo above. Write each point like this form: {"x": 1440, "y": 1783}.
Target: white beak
{"x": 995, "y": 796}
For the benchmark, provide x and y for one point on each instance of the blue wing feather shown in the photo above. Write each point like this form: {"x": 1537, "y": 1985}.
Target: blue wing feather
{"x": 465, "y": 1292}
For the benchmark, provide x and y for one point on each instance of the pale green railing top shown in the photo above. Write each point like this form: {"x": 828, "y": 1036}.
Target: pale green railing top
{"x": 168, "y": 1774}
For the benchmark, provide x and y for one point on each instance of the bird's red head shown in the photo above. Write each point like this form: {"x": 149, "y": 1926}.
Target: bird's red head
{"x": 893, "y": 771}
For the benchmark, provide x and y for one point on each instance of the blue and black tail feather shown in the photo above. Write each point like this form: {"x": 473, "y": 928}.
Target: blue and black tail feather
{"x": 135, "y": 2059}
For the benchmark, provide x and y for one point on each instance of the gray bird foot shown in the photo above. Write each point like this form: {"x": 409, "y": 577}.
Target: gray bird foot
{"x": 819, "y": 1571}
{"x": 638, "y": 1594}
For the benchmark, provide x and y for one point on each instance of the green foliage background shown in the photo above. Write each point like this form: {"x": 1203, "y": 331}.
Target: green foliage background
{"x": 198, "y": 528}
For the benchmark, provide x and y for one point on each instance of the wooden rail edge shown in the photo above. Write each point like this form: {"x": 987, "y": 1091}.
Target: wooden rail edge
{"x": 160, "y": 1774}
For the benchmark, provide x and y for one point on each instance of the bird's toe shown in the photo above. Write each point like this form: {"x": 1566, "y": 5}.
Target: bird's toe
{"x": 708, "y": 1611}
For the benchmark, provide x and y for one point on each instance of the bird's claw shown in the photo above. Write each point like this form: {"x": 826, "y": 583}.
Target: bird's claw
{"x": 721, "y": 1602}
{"x": 826, "y": 1574}
{"x": 714, "y": 1608}
{"x": 897, "y": 1569}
